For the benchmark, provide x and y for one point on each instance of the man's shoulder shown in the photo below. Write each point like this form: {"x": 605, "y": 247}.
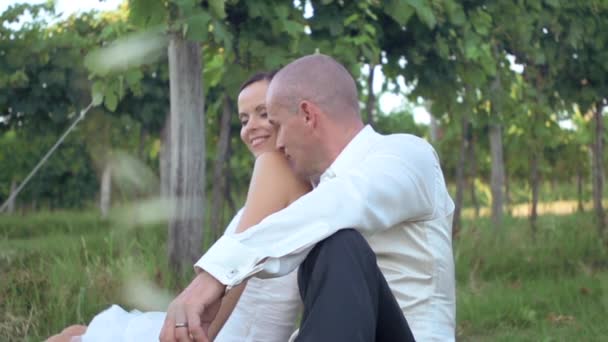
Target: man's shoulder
{"x": 403, "y": 143}
{"x": 405, "y": 138}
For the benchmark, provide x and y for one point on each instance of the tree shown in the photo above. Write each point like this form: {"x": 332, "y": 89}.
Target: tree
{"x": 567, "y": 40}
{"x": 257, "y": 32}
{"x": 43, "y": 96}
{"x": 187, "y": 152}
{"x": 231, "y": 36}
{"x": 187, "y": 148}
{"x": 448, "y": 52}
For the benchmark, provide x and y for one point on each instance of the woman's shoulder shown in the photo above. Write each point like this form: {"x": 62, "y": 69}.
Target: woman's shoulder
{"x": 274, "y": 164}
{"x": 274, "y": 167}
{"x": 272, "y": 157}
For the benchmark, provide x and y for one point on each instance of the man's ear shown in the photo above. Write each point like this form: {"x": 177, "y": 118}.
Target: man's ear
{"x": 310, "y": 113}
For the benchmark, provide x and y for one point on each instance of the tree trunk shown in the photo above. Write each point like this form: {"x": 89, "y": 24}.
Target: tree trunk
{"x": 473, "y": 175}
{"x": 142, "y": 143}
{"x": 534, "y": 185}
{"x": 598, "y": 168}
{"x": 497, "y": 175}
{"x": 219, "y": 173}
{"x": 186, "y": 185}
{"x": 460, "y": 176}
{"x": 370, "y": 105}
{"x": 105, "y": 192}
{"x": 579, "y": 187}
{"x": 507, "y": 197}
{"x": 164, "y": 158}
{"x": 228, "y": 192}
{"x": 434, "y": 127}
{"x": 10, "y": 207}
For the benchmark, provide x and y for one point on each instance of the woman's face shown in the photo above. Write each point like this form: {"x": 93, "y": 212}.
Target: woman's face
{"x": 256, "y": 132}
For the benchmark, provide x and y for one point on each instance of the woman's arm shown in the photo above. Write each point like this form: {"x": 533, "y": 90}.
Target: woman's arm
{"x": 273, "y": 187}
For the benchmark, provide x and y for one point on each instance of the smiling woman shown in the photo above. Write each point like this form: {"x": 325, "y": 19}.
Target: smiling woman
{"x": 256, "y": 130}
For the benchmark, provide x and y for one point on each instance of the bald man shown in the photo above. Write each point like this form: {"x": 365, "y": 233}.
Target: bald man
{"x": 389, "y": 188}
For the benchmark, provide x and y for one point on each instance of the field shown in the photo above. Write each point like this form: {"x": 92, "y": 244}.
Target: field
{"x": 61, "y": 268}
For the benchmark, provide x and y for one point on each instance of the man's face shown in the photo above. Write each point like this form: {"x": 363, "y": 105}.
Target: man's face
{"x": 295, "y": 138}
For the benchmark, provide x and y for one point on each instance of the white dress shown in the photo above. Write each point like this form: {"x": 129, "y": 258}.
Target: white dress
{"x": 266, "y": 311}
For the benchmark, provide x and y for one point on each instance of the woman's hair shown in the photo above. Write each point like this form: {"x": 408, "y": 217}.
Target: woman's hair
{"x": 260, "y": 76}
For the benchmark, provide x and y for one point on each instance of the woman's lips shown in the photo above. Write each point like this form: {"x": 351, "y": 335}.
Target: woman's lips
{"x": 258, "y": 141}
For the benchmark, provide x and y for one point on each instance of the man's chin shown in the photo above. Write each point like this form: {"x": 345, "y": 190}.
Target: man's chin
{"x": 304, "y": 175}
{"x": 294, "y": 167}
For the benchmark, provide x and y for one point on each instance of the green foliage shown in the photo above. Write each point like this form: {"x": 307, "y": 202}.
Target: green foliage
{"x": 144, "y": 13}
{"x": 71, "y": 167}
{"x": 398, "y": 122}
{"x": 55, "y": 89}
{"x": 451, "y": 54}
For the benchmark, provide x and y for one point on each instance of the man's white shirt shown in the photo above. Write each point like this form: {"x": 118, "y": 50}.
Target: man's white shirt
{"x": 391, "y": 189}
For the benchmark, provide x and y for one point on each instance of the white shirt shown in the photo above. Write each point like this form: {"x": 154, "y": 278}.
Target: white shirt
{"x": 390, "y": 188}
{"x": 267, "y": 309}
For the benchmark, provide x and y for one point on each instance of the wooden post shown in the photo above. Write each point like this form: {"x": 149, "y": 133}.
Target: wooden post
{"x": 186, "y": 186}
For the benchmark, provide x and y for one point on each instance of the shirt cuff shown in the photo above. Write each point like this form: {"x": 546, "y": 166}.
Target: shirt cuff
{"x": 230, "y": 262}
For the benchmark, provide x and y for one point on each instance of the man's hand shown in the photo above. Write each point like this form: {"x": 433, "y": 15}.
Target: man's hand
{"x": 190, "y": 314}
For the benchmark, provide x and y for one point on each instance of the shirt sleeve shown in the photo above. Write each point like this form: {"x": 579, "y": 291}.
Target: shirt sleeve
{"x": 381, "y": 191}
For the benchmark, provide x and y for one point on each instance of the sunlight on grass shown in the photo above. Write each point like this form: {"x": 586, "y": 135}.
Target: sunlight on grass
{"x": 560, "y": 207}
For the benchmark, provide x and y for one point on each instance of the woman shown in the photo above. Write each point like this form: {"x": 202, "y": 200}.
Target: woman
{"x": 259, "y": 310}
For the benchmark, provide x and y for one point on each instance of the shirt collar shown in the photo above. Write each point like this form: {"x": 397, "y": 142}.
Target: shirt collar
{"x": 353, "y": 152}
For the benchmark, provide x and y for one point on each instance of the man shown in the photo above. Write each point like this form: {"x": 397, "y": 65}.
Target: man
{"x": 389, "y": 188}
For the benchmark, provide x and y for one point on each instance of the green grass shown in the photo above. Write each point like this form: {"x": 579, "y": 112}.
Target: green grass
{"x": 62, "y": 268}
{"x": 514, "y": 288}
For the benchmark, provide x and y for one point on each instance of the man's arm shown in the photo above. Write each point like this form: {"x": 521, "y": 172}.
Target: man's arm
{"x": 388, "y": 187}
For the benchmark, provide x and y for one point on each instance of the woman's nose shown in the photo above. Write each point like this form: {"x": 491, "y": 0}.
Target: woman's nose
{"x": 253, "y": 123}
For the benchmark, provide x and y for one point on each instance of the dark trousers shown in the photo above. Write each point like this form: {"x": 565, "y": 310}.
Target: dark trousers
{"x": 346, "y": 297}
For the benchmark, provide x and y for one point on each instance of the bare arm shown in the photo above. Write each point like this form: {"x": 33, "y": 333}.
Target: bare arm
{"x": 273, "y": 187}
{"x": 228, "y": 304}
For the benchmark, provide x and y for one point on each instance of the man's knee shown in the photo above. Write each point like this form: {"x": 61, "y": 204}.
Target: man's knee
{"x": 346, "y": 239}
{"x": 344, "y": 247}
{"x": 336, "y": 249}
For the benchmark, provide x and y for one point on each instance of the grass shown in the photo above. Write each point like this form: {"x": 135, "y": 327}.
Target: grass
{"x": 513, "y": 288}
{"x": 62, "y": 268}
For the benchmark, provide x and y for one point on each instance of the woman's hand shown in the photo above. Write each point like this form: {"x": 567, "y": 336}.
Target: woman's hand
{"x": 191, "y": 313}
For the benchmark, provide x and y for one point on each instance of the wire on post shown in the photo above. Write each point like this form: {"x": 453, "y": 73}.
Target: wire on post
{"x": 46, "y": 157}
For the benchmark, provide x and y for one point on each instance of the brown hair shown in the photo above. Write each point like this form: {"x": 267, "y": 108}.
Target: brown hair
{"x": 260, "y": 76}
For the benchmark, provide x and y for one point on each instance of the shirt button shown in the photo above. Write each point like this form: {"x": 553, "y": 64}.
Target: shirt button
{"x": 231, "y": 274}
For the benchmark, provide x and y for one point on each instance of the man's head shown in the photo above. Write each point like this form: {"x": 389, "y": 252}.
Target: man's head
{"x": 314, "y": 104}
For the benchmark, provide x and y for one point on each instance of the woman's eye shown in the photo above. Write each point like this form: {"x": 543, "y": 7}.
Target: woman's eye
{"x": 244, "y": 122}
{"x": 264, "y": 115}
